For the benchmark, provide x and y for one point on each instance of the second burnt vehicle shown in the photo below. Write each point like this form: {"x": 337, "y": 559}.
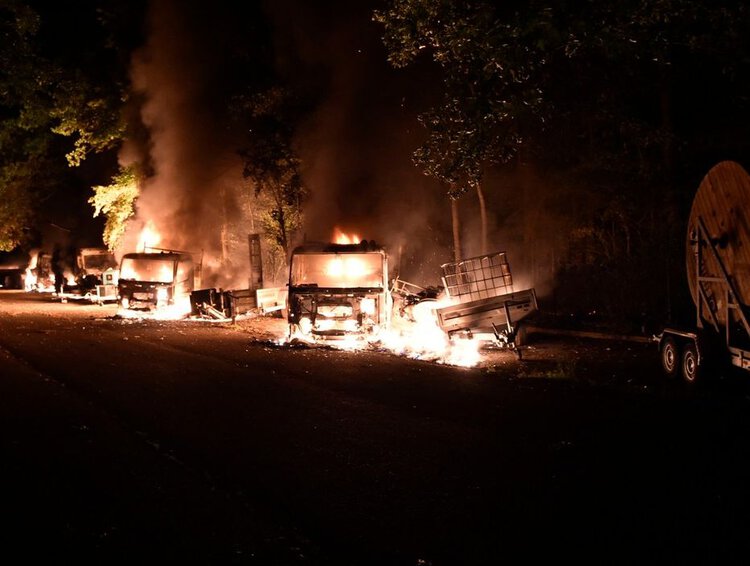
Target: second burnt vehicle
{"x": 91, "y": 265}
{"x": 151, "y": 280}
{"x": 338, "y": 290}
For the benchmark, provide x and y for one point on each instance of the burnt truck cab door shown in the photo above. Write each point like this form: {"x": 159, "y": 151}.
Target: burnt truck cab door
{"x": 184, "y": 277}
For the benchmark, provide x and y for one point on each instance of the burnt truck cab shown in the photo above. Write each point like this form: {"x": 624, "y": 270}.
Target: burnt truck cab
{"x": 338, "y": 290}
{"x": 91, "y": 264}
{"x": 154, "y": 280}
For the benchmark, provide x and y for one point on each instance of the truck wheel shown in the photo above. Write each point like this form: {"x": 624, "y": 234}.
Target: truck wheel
{"x": 691, "y": 371}
{"x": 670, "y": 357}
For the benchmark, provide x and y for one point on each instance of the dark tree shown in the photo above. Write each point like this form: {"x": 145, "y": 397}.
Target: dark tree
{"x": 63, "y": 72}
{"x": 271, "y": 163}
{"x": 490, "y": 63}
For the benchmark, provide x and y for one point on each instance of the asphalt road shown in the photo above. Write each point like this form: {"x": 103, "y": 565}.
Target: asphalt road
{"x": 128, "y": 441}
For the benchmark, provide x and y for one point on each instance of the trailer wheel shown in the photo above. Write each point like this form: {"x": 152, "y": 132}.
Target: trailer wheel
{"x": 521, "y": 337}
{"x": 670, "y": 357}
{"x": 691, "y": 371}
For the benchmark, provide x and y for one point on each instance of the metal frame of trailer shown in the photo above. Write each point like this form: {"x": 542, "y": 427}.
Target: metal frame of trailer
{"x": 486, "y": 303}
{"x": 688, "y": 351}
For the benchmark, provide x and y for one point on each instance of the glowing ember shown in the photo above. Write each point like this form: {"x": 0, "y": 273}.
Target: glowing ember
{"x": 149, "y": 237}
{"x": 340, "y": 237}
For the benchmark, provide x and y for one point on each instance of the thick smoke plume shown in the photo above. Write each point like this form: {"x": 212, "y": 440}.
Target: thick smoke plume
{"x": 355, "y": 145}
{"x": 191, "y": 191}
{"x": 357, "y": 149}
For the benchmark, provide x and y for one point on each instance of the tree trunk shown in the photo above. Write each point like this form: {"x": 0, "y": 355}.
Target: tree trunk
{"x": 483, "y": 217}
{"x": 456, "y": 221}
{"x": 281, "y": 222}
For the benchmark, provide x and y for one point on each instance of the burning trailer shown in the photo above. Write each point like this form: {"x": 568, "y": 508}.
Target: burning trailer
{"x": 477, "y": 302}
{"x": 156, "y": 280}
{"x": 484, "y": 302}
{"x": 338, "y": 290}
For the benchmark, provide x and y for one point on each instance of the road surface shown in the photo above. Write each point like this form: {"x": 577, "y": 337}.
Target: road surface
{"x": 127, "y": 440}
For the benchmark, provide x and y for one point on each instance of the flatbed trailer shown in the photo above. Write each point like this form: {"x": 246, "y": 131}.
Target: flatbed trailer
{"x": 485, "y": 303}
{"x": 718, "y": 271}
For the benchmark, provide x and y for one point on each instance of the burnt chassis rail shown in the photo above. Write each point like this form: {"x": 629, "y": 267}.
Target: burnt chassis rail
{"x": 687, "y": 351}
{"x": 305, "y": 302}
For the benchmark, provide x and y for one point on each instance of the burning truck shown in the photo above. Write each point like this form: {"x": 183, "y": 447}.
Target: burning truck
{"x": 155, "y": 280}
{"x": 341, "y": 290}
{"x": 338, "y": 290}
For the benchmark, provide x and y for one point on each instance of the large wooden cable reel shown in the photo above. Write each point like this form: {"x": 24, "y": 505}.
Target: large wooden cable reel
{"x": 723, "y": 204}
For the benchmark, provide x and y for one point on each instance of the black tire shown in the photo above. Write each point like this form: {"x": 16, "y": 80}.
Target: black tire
{"x": 670, "y": 357}
{"x": 692, "y": 373}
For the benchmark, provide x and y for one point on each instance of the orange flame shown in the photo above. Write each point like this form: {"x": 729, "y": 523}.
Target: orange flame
{"x": 340, "y": 237}
{"x": 149, "y": 237}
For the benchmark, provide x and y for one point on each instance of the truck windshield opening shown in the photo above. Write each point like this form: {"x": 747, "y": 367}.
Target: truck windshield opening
{"x": 152, "y": 270}
{"x": 337, "y": 270}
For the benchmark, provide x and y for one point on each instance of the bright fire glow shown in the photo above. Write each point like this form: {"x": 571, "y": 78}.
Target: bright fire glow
{"x": 423, "y": 339}
{"x": 340, "y": 237}
{"x": 29, "y": 281}
{"x": 420, "y": 338}
{"x": 346, "y": 268}
{"x": 177, "y": 311}
{"x": 149, "y": 237}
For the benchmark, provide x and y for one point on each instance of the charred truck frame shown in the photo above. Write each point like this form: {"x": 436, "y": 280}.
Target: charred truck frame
{"x": 338, "y": 290}
{"x": 153, "y": 280}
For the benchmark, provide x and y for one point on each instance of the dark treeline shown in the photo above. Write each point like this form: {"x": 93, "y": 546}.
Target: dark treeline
{"x": 591, "y": 124}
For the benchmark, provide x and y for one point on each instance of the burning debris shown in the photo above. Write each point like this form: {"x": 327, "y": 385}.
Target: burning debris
{"x": 338, "y": 293}
{"x": 217, "y": 304}
{"x": 39, "y": 275}
{"x": 484, "y": 302}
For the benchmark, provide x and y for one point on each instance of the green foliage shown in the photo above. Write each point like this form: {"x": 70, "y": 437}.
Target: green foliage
{"x": 117, "y": 202}
{"x": 490, "y": 69}
{"x": 74, "y": 89}
{"x": 94, "y": 121}
{"x": 15, "y": 206}
{"x": 24, "y": 140}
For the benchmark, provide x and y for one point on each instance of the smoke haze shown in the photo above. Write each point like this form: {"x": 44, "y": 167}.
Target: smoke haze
{"x": 355, "y": 145}
{"x": 196, "y": 173}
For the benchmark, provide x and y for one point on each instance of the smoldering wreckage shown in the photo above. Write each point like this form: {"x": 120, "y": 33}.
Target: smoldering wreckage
{"x": 338, "y": 294}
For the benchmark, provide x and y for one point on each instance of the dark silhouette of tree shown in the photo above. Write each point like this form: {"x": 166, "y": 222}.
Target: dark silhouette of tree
{"x": 63, "y": 74}
{"x": 490, "y": 65}
{"x": 270, "y": 162}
